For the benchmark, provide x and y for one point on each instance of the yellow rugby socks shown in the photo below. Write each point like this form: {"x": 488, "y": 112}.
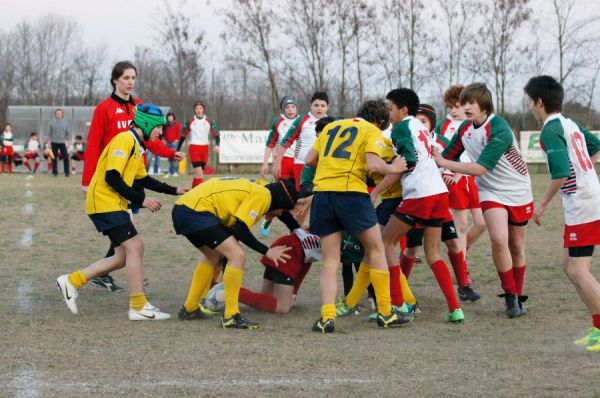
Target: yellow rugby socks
{"x": 380, "y": 280}
{"x": 407, "y": 293}
{"x": 328, "y": 311}
{"x": 199, "y": 287}
{"x": 232, "y": 282}
{"x": 77, "y": 279}
{"x": 361, "y": 282}
{"x": 137, "y": 301}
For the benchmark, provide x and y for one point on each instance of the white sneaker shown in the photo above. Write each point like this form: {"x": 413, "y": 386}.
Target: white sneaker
{"x": 175, "y": 174}
{"x": 150, "y": 172}
{"x": 69, "y": 292}
{"x": 148, "y": 313}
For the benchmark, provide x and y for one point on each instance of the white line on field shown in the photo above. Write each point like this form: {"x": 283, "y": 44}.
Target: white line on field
{"x": 27, "y": 184}
{"x": 27, "y": 238}
{"x": 23, "y": 292}
{"x": 28, "y": 194}
{"x": 28, "y": 208}
{"x": 26, "y": 384}
{"x": 151, "y": 385}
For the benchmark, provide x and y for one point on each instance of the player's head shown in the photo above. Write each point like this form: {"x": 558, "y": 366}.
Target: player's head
{"x": 319, "y": 103}
{"x": 427, "y": 115}
{"x": 7, "y": 127}
{"x": 199, "y": 108}
{"x": 122, "y": 78}
{"x": 33, "y": 135}
{"x": 171, "y": 117}
{"x": 322, "y": 123}
{"x": 79, "y": 138}
{"x": 452, "y": 101}
{"x": 375, "y": 112}
{"x": 283, "y": 196}
{"x": 402, "y": 102}
{"x": 150, "y": 119}
{"x": 545, "y": 95}
{"x": 58, "y": 113}
{"x": 476, "y": 100}
{"x": 289, "y": 106}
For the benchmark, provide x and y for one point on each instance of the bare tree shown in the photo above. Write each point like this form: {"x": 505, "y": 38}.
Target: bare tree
{"x": 183, "y": 46}
{"x": 88, "y": 64}
{"x": 573, "y": 37}
{"x": 252, "y": 26}
{"x": 341, "y": 10}
{"x": 311, "y": 30}
{"x": 503, "y": 19}
{"x": 362, "y": 13}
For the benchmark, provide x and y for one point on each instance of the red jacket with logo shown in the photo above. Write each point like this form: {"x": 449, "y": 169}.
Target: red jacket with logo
{"x": 111, "y": 117}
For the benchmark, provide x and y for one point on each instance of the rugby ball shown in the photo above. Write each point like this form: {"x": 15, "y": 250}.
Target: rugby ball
{"x": 215, "y": 299}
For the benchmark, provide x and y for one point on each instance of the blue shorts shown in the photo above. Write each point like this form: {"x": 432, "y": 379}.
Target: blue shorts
{"x": 187, "y": 221}
{"x": 105, "y": 221}
{"x": 386, "y": 208}
{"x": 337, "y": 211}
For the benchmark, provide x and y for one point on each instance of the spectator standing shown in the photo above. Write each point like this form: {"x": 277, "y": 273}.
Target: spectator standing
{"x": 171, "y": 136}
{"x": 58, "y": 134}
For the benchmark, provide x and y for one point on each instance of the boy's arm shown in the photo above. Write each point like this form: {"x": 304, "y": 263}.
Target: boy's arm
{"x": 183, "y": 135}
{"x": 215, "y": 131}
{"x": 158, "y": 147}
{"x": 114, "y": 179}
{"x": 593, "y": 144}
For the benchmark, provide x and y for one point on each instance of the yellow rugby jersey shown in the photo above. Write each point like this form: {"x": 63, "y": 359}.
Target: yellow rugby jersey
{"x": 342, "y": 146}
{"x": 229, "y": 199}
{"x": 125, "y": 155}
{"x": 394, "y": 191}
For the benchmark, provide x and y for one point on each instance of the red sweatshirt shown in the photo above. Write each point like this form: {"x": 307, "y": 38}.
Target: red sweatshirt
{"x": 111, "y": 117}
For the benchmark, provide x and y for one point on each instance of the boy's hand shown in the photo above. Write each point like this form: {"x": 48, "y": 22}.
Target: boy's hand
{"x": 216, "y": 149}
{"x": 400, "y": 164}
{"x": 152, "y": 204}
{"x": 264, "y": 170}
{"x": 278, "y": 253}
{"x": 537, "y": 213}
{"x": 437, "y": 156}
{"x": 179, "y": 156}
{"x": 182, "y": 190}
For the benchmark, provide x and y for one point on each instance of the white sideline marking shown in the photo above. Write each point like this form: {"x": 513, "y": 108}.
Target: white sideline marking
{"x": 27, "y": 238}
{"x": 28, "y": 208}
{"x": 23, "y": 291}
{"x": 26, "y": 384}
{"x": 28, "y": 194}
{"x": 38, "y": 385}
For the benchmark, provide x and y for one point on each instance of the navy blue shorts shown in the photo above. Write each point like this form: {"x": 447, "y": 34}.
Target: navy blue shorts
{"x": 105, "y": 221}
{"x": 386, "y": 208}
{"x": 337, "y": 211}
{"x": 187, "y": 221}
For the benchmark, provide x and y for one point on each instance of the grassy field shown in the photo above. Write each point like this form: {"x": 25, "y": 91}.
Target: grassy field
{"x": 46, "y": 351}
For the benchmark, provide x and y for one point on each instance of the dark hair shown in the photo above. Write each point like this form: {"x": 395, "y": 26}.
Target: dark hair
{"x": 199, "y": 103}
{"x": 7, "y": 124}
{"x": 78, "y": 137}
{"x": 320, "y": 95}
{"x": 322, "y": 122}
{"x": 32, "y": 134}
{"x": 171, "y": 114}
{"x": 452, "y": 95}
{"x": 59, "y": 110}
{"x": 376, "y": 112}
{"x": 283, "y": 194}
{"x": 548, "y": 90}
{"x": 119, "y": 69}
{"x": 429, "y": 112}
{"x": 404, "y": 97}
{"x": 478, "y": 92}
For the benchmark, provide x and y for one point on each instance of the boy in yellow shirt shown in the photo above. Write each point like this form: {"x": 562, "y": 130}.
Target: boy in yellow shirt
{"x": 217, "y": 214}
{"x": 122, "y": 163}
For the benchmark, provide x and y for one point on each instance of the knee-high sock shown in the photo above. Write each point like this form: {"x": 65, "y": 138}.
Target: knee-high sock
{"x": 507, "y": 282}
{"x": 359, "y": 286}
{"x": 10, "y": 167}
{"x": 258, "y": 300}
{"x": 381, "y": 282}
{"x": 26, "y": 164}
{"x": 407, "y": 293}
{"x": 444, "y": 279}
{"x": 200, "y": 282}
{"x": 395, "y": 286}
{"x": 459, "y": 265}
{"x": 407, "y": 263}
{"x": 519, "y": 275}
{"x": 35, "y": 166}
{"x": 232, "y": 282}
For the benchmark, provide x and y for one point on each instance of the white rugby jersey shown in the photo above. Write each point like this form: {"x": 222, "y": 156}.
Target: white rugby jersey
{"x": 567, "y": 148}
{"x": 447, "y": 129}
{"x": 199, "y": 130}
{"x": 33, "y": 146}
{"x": 302, "y": 131}
{"x": 7, "y": 138}
{"x": 279, "y": 127}
{"x": 494, "y": 146}
{"x": 413, "y": 141}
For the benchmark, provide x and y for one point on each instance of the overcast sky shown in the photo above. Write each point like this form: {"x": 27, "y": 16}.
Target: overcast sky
{"x": 121, "y": 24}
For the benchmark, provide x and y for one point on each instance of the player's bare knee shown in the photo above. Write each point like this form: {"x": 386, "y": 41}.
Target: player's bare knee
{"x": 134, "y": 245}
